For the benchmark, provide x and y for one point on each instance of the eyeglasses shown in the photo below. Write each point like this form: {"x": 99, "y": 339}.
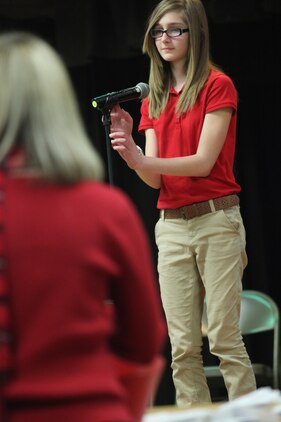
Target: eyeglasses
{"x": 171, "y": 32}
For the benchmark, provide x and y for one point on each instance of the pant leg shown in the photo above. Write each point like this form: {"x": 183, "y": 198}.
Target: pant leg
{"x": 181, "y": 287}
{"x": 221, "y": 261}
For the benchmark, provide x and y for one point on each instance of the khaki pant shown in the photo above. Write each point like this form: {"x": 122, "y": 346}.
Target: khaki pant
{"x": 204, "y": 253}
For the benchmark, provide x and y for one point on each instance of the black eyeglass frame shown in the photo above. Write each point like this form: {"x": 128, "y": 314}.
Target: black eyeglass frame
{"x": 166, "y": 31}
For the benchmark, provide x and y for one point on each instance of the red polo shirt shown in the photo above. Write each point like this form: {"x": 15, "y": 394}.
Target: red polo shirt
{"x": 179, "y": 136}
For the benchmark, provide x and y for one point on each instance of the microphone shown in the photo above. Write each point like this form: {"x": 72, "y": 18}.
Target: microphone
{"x": 141, "y": 90}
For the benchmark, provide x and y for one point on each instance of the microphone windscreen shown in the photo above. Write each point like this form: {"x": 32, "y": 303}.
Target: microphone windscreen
{"x": 144, "y": 89}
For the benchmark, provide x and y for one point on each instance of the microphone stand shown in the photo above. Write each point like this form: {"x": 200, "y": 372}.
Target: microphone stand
{"x": 106, "y": 123}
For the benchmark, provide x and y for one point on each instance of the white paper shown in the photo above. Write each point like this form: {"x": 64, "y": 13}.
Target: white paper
{"x": 262, "y": 405}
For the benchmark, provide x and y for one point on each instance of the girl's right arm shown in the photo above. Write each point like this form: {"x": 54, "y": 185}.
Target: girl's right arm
{"x": 123, "y": 142}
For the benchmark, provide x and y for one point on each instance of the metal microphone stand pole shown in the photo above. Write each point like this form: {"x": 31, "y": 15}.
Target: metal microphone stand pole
{"x": 106, "y": 123}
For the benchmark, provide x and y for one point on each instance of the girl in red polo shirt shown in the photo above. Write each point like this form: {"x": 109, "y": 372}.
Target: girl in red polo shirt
{"x": 189, "y": 121}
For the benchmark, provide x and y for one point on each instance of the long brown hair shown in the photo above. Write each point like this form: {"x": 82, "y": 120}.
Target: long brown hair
{"x": 198, "y": 63}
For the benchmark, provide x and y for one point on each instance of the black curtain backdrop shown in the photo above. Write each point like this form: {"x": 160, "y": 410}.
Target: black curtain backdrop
{"x": 100, "y": 42}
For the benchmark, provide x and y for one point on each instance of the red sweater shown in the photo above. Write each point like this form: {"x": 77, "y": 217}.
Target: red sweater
{"x": 67, "y": 250}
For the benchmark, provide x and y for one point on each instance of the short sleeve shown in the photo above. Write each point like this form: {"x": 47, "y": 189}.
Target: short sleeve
{"x": 222, "y": 93}
{"x": 145, "y": 122}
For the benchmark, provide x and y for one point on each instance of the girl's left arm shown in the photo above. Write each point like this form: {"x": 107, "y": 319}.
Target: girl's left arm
{"x": 200, "y": 164}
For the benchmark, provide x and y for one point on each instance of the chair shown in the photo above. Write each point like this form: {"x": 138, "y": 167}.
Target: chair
{"x": 259, "y": 313}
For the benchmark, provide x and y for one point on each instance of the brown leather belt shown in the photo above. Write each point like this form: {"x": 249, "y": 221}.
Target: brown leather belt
{"x": 201, "y": 208}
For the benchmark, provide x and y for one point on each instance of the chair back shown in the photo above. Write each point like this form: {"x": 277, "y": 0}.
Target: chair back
{"x": 259, "y": 312}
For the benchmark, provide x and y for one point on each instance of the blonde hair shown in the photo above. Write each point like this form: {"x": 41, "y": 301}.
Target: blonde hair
{"x": 40, "y": 114}
{"x": 198, "y": 63}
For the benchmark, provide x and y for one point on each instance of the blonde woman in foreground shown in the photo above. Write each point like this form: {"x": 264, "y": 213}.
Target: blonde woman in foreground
{"x": 64, "y": 254}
